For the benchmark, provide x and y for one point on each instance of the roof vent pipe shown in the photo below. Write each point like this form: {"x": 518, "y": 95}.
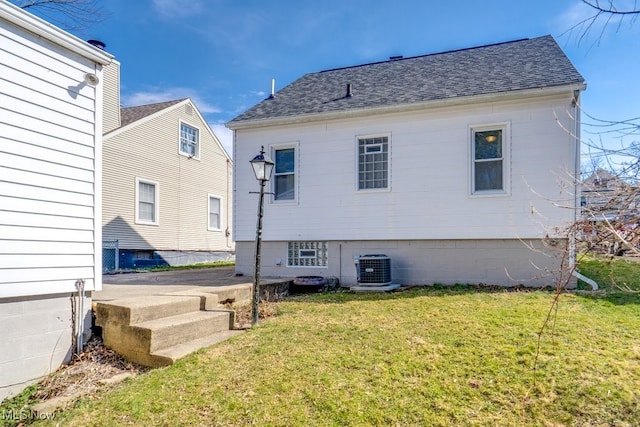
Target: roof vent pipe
{"x": 97, "y": 43}
{"x": 349, "y": 91}
{"x": 273, "y": 89}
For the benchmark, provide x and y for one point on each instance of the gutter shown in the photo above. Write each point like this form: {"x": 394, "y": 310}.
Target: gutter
{"x": 47, "y": 31}
{"x": 399, "y": 108}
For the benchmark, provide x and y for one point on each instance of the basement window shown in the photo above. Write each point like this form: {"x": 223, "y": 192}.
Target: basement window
{"x": 307, "y": 254}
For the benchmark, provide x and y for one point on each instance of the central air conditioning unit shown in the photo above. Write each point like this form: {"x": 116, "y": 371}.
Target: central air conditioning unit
{"x": 374, "y": 270}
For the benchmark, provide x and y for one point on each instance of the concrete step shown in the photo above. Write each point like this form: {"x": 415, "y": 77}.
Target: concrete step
{"x": 170, "y": 355}
{"x": 128, "y": 311}
{"x": 157, "y": 334}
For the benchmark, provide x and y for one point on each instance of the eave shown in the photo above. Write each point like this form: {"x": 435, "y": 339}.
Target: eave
{"x": 402, "y": 108}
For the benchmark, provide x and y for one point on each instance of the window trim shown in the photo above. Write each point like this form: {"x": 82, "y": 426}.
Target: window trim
{"x": 156, "y": 202}
{"x": 221, "y": 210}
{"x": 198, "y": 142}
{"x": 296, "y": 171}
{"x": 505, "y": 127}
{"x": 357, "y": 159}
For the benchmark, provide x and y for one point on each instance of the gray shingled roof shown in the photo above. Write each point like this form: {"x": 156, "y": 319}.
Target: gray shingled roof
{"x": 132, "y": 114}
{"x": 517, "y": 65}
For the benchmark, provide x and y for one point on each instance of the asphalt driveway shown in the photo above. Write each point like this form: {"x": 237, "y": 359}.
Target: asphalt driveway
{"x": 124, "y": 285}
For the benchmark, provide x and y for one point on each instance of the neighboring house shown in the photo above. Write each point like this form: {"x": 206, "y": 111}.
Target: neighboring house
{"x": 605, "y": 196}
{"x": 50, "y": 198}
{"x": 610, "y": 209}
{"x": 461, "y": 167}
{"x": 167, "y": 184}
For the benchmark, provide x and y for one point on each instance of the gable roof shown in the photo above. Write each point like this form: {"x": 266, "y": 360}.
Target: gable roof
{"x": 132, "y": 114}
{"x": 131, "y": 117}
{"x": 512, "y": 66}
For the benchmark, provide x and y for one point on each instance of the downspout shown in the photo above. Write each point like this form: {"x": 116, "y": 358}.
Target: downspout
{"x": 575, "y": 104}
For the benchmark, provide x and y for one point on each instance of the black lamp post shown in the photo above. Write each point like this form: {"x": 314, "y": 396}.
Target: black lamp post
{"x": 263, "y": 168}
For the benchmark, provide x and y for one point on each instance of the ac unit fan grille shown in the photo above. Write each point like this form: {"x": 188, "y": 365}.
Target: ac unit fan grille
{"x": 374, "y": 269}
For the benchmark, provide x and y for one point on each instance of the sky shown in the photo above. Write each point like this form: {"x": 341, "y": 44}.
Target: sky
{"x": 223, "y": 54}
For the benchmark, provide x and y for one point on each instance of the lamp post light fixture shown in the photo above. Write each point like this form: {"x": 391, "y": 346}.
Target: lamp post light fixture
{"x": 262, "y": 168}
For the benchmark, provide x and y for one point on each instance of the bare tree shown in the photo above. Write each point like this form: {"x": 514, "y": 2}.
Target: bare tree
{"x": 605, "y": 14}
{"x": 70, "y": 15}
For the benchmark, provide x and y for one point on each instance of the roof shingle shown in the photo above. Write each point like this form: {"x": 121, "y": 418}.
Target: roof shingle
{"x": 132, "y": 114}
{"x": 511, "y": 66}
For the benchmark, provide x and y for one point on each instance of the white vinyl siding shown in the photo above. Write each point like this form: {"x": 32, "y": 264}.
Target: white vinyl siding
{"x": 184, "y": 184}
{"x": 431, "y": 194}
{"x": 215, "y": 212}
{"x": 147, "y": 206}
{"x": 50, "y": 161}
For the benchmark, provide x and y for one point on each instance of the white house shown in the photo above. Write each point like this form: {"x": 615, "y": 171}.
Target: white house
{"x": 167, "y": 183}
{"x": 50, "y": 198}
{"x": 459, "y": 166}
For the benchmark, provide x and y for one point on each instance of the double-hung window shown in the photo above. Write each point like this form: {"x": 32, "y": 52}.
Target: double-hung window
{"x": 284, "y": 187}
{"x": 215, "y": 211}
{"x": 373, "y": 162}
{"x": 146, "y": 202}
{"x": 489, "y": 168}
{"x": 189, "y": 141}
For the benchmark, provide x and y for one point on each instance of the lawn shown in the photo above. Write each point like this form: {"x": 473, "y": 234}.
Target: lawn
{"x": 436, "y": 356}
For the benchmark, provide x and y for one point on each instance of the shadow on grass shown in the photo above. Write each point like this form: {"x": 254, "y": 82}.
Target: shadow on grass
{"x": 613, "y": 297}
{"x": 344, "y": 296}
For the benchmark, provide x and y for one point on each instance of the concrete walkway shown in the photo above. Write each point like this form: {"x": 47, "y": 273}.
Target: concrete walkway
{"x": 125, "y": 285}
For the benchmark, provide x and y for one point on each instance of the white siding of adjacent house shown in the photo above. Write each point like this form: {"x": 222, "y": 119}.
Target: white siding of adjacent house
{"x": 111, "y": 116}
{"x": 429, "y": 196}
{"x": 148, "y": 150}
{"x": 49, "y": 167}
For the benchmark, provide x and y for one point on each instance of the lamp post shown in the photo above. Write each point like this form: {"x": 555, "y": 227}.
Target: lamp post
{"x": 262, "y": 168}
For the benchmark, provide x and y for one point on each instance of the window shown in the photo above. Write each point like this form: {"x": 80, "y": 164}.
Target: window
{"x": 488, "y": 147}
{"x": 373, "y": 162}
{"x": 307, "y": 254}
{"x": 215, "y": 205}
{"x": 146, "y": 202}
{"x": 285, "y": 174}
{"x": 189, "y": 141}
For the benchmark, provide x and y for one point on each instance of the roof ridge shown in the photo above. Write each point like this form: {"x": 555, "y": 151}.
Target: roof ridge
{"x": 396, "y": 59}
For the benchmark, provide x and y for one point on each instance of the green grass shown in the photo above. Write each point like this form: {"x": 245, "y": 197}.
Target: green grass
{"x": 612, "y": 274}
{"x": 212, "y": 264}
{"x": 437, "y": 357}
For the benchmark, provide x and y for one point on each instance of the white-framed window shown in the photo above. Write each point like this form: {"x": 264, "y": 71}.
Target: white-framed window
{"x": 307, "y": 254}
{"x": 489, "y": 159}
{"x": 147, "y": 206}
{"x": 373, "y": 162}
{"x": 215, "y": 212}
{"x": 285, "y": 172}
{"x": 189, "y": 140}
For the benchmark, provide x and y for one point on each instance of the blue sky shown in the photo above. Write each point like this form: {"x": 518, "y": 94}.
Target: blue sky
{"x": 224, "y": 53}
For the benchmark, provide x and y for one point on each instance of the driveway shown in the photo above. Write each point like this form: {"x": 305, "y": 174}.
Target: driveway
{"x": 124, "y": 285}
